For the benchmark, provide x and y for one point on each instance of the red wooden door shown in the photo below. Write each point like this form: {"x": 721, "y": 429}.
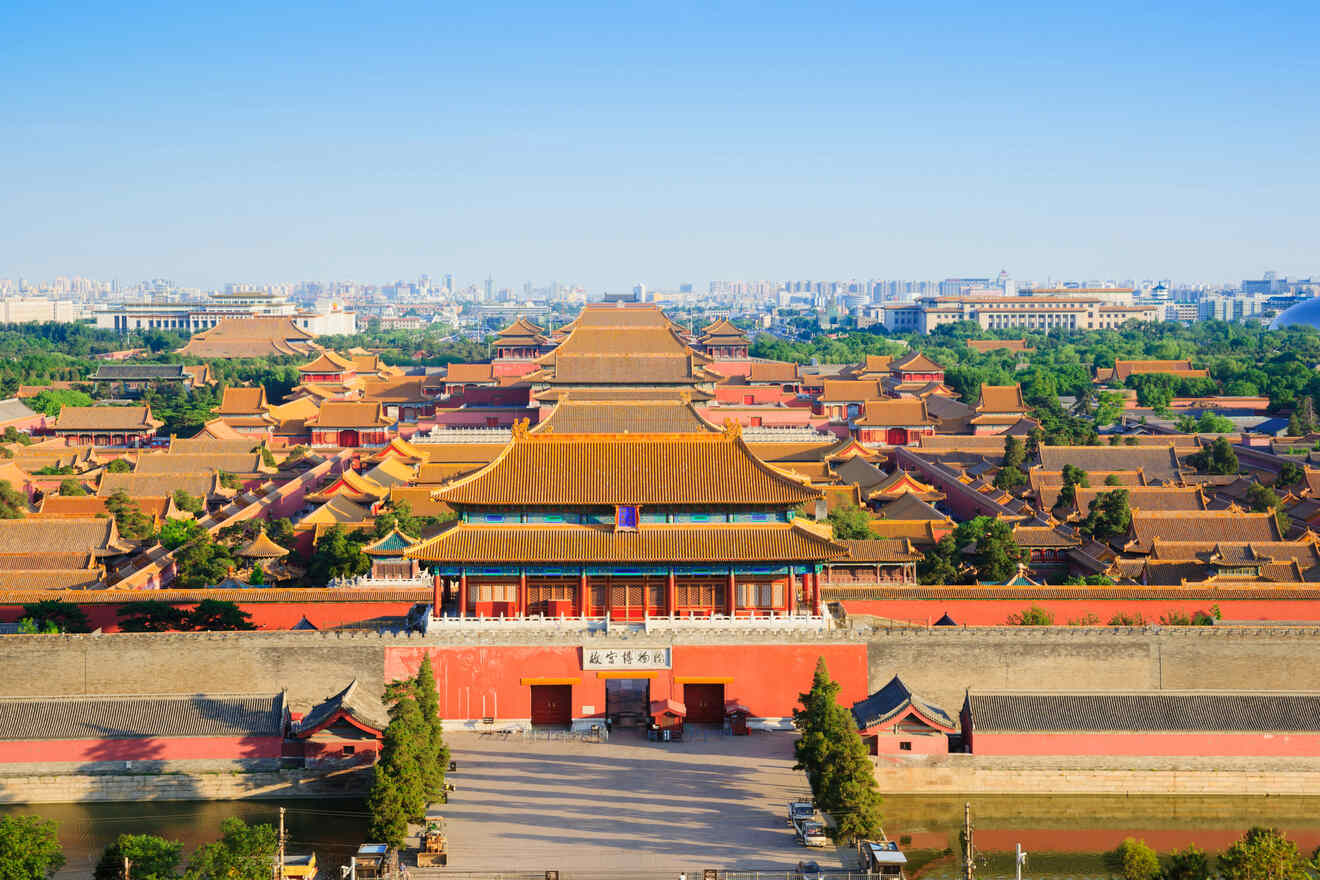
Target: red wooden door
{"x": 552, "y": 704}
{"x": 704, "y": 702}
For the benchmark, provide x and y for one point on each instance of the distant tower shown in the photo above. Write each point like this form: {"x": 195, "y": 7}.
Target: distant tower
{"x": 639, "y": 292}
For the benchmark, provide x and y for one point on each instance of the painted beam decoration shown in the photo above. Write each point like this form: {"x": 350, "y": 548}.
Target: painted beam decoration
{"x": 625, "y": 658}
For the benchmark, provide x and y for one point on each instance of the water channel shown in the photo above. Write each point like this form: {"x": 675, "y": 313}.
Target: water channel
{"x": 1065, "y": 837}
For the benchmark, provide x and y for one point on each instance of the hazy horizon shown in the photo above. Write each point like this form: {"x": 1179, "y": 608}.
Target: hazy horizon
{"x": 607, "y": 146}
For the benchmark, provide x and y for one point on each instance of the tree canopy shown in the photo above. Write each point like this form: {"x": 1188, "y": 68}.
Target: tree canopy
{"x": 29, "y": 848}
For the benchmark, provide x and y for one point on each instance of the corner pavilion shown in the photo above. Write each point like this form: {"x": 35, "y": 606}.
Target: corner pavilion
{"x": 627, "y": 526}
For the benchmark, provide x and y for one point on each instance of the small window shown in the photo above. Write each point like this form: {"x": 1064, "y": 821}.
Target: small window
{"x": 905, "y": 746}
{"x": 350, "y": 750}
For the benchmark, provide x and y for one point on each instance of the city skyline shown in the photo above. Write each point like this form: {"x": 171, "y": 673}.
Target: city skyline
{"x": 612, "y": 146}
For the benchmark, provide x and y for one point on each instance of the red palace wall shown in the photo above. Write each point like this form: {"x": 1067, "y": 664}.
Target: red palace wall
{"x": 995, "y": 612}
{"x": 1160, "y": 744}
{"x": 495, "y": 681}
{"x": 219, "y": 748}
{"x": 265, "y": 615}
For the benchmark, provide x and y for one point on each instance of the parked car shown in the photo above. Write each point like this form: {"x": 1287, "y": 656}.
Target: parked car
{"x": 799, "y": 811}
{"x": 808, "y": 871}
{"x": 812, "y": 833}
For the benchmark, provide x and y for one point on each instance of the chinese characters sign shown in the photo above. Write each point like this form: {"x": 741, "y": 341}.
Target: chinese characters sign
{"x": 625, "y": 658}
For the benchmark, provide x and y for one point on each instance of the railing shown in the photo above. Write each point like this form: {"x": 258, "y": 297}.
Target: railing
{"x": 755, "y": 620}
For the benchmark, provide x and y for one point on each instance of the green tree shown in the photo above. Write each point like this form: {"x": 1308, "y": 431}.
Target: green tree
{"x": 67, "y": 617}
{"x": 132, "y": 522}
{"x": 177, "y": 532}
{"x": 1289, "y": 475}
{"x": 29, "y": 848}
{"x": 1186, "y": 864}
{"x": 1010, "y": 479}
{"x": 202, "y": 562}
{"x": 1134, "y": 860}
{"x": 1262, "y": 854}
{"x": 119, "y": 466}
{"x": 398, "y": 792}
{"x": 1015, "y": 453}
{"x": 13, "y": 504}
{"x": 217, "y": 615}
{"x": 52, "y": 400}
{"x": 850, "y": 522}
{"x": 1072, "y": 478}
{"x": 337, "y": 555}
{"x": 995, "y": 554}
{"x": 152, "y": 858}
{"x": 189, "y": 502}
{"x": 1109, "y": 516}
{"x": 836, "y": 761}
{"x": 1033, "y": 616}
{"x": 243, "y": 852}
{"x": 257, "y": 577}
{"x": 1217, "y": 458}
{"x": 72, "y": 488}
{"x": 1261, "y": 498}
{"x": 428, "y": 704}
{"x": 941, "y": 564}
{"x": 151, "y": 616}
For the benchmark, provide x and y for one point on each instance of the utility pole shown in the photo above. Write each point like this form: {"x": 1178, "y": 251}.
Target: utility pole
{"x": 969, "y": 866}
{"x": 279, "y": 855}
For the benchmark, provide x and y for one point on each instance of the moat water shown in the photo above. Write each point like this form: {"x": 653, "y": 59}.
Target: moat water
{"x": 1065, "y": 836}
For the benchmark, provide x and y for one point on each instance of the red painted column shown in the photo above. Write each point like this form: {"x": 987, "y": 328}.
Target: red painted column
{"x": 671, "y": 593}
{"x": 462, "y": 594}
{"x": 437, "y": 594}
{"x": 583, "y": 595}
{"x": 522, "y": 592}
{"x": 792, "y": 592}
{"x": 731, "y": 597}
{"x": 815, "y": 592}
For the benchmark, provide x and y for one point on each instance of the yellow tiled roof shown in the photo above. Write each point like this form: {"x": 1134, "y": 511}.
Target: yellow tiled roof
{"x": 718, "y": 542}
{"x": 606, "y": 469}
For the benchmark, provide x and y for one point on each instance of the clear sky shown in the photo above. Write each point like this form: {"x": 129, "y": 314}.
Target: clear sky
{"x": 658, "y": 142}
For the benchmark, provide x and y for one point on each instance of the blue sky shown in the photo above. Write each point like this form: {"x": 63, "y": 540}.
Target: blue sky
{"x": 662, "y": 143}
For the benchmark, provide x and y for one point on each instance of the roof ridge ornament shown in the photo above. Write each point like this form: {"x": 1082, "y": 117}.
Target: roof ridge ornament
{"x": 732, "y": 429}
{"x": 520, "y": 428}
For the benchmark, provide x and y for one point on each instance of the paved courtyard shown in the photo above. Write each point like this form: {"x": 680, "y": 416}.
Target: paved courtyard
{"x": 624, "y": 807}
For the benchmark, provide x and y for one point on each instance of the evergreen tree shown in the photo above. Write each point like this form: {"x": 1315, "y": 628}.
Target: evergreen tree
{"x": 399, "y": 793}
{"x": 1262, "y": 854}
{"x": 29, "y": 848}
{"x": 1072, "y": 478}
{"x": 1289, "y": 475}
{"x": 72, "y": 489}
{"x": 153, "y": 858}
{"x": 1134, "y": 860}
{"x": 437, "y": 753}
{"x": 850, "y": 522}
{"x": 243, "y": 852}
{"x": 13, "y": 504}
{"x": 1187, "y": 864}
{"x": 65, "y": 616}
{"x": 838, "y": 767}
{"x": 941, "y": 564}
{"x": 218, "y": 615}
{"x": 1109, "y": 516}
{"x": 1014, "y": 452}
{"x": 1217, "y": 458}
{"x": 996, "y": 556}
{"x": 812, "y": 721}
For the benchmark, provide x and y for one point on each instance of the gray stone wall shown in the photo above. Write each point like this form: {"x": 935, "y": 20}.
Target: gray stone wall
{"x": 939, "y": 663}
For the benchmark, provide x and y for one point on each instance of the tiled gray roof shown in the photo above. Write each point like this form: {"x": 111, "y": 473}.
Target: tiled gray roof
{"x": 139, "y": 371}
{"x": 1157, "y": 462}
{"x": 1155, "y": 711}
{"x": 892, "y": 699}
{"x": 12, "y": 409}
{"x": 46, "y": 718}
{"x": 354, "y": 701}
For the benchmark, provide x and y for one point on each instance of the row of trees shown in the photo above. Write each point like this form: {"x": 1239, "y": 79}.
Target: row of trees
{"x": 835, "y": 759}
{"x": 30, "y": 850}
{"x": 411, "y": 772}
{"x": 1261, "y": 854}
{"x": 55, "y": 616}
